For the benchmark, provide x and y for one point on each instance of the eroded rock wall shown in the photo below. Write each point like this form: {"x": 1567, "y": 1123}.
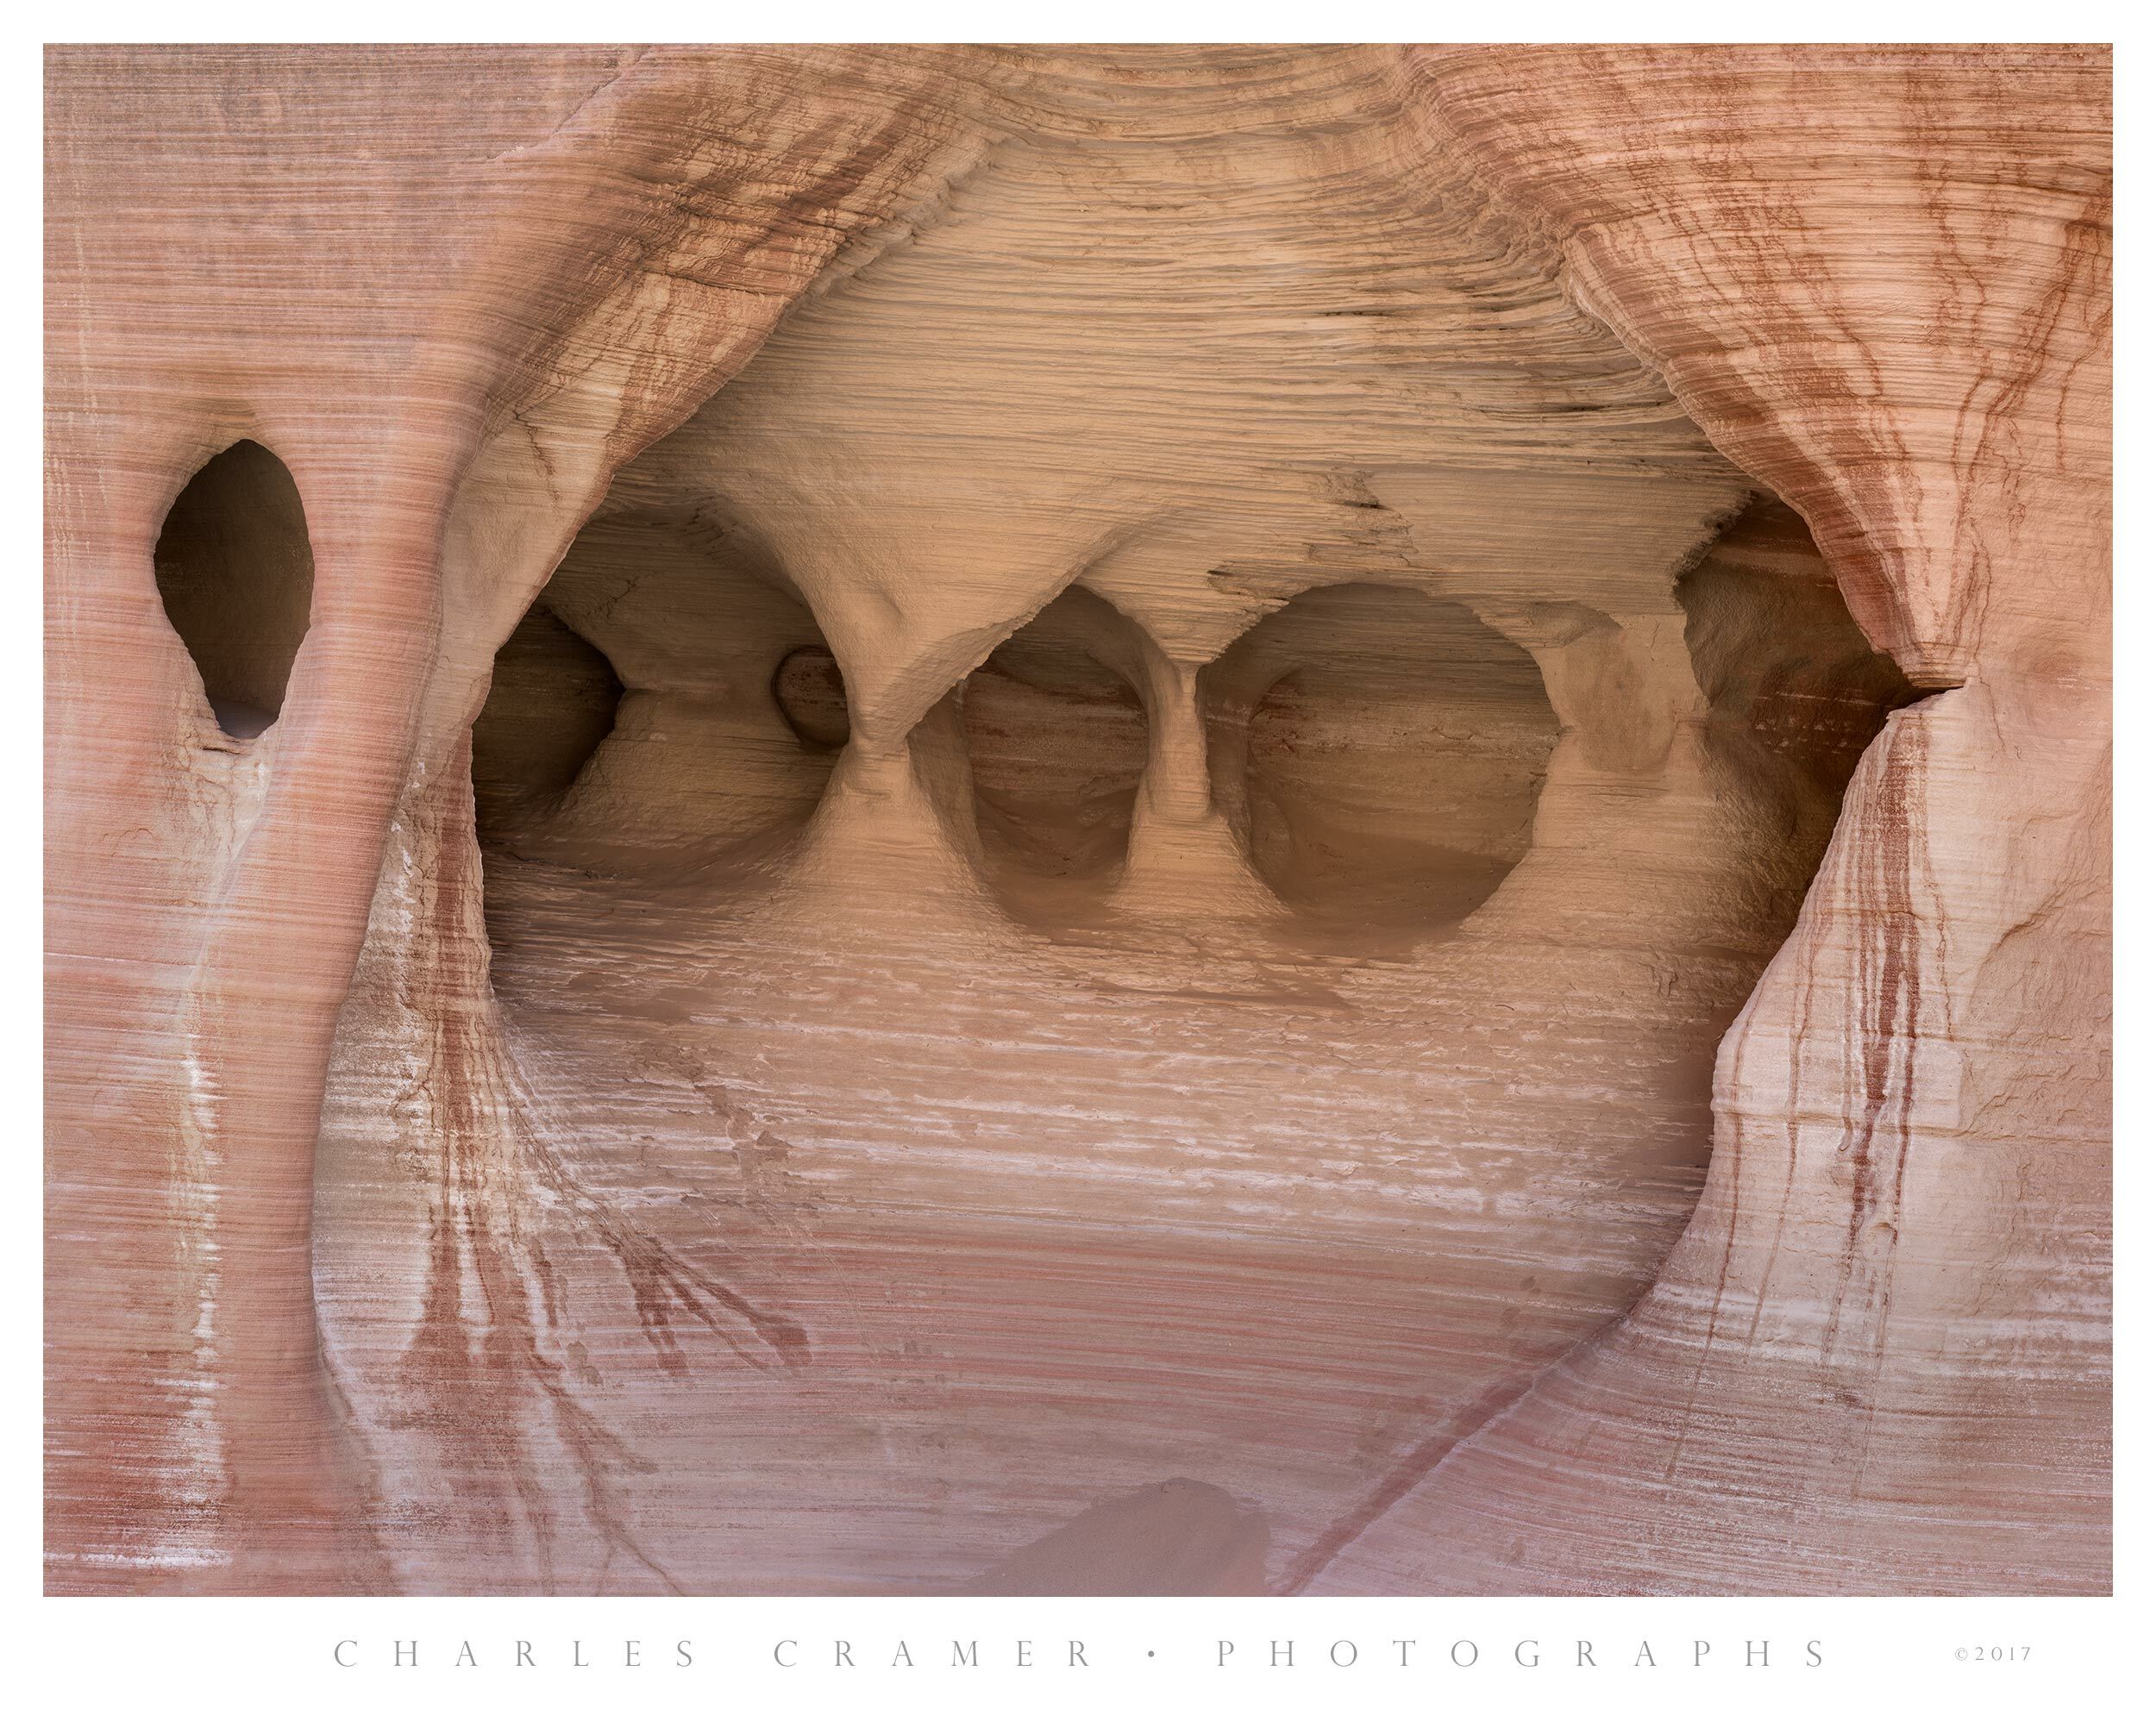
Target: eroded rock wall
{"x": 1076, "y": 821}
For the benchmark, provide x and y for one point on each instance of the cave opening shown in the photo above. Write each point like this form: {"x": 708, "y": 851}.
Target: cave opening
{"x": 1794, "y": 692}
{"x": 554, "y": 700}
{"x": 237, "y": 574}
{"x": 811, "y": 694}
{"x": 1380, "y": 753}
{"x": 1387, "y": 762}
{"x": 667, "y": 706}
{"x": 1055, "y": 731}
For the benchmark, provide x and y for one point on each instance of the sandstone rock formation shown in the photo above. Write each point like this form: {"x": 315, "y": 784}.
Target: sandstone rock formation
{"x": 1145, "y": 819}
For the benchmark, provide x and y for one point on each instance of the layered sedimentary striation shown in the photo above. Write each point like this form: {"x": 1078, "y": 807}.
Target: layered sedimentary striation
{"x": 1124, "y": 819}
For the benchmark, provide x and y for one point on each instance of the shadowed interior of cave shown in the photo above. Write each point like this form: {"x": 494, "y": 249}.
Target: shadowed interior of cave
{"x": 1518, "y": 849}
{"x": 666, "y": 705}
{"x": 1795, "y": 694}
{"x": 553, "y": 700}
{"x": 1380, "y": 753}
{"x": 1202, "y": 1085}
{"x": 237, "y": 576}
{"x": 811, "y": 695}
{"x": 1055, "y": 741}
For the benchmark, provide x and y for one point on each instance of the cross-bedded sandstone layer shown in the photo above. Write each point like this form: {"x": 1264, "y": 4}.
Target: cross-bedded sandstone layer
{"x": 1146, "y": 819}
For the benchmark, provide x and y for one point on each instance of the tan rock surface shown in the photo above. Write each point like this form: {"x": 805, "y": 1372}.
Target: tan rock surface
{"x": 1088, "y": 820}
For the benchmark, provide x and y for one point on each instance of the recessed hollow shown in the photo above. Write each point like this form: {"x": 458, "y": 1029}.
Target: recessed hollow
{"x": 669, "y": 702}
{"x": 553, "y": 700}
{"x": 236, "y": 573}
{"x": 811, "y": 695}
{"x": 1056, "y": 734}
{"x": 1155, "y": 1121}
{"x": 1381, "y": 753}
{"x": 1795, "y": 692}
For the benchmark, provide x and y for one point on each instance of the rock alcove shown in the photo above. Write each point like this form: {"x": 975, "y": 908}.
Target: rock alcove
{"x": 1073, "y": 848}
{"x": 237, "y": 574}
{"x": 1161, "y": 889}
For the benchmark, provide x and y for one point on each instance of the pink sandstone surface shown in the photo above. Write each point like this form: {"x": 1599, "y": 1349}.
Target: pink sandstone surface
{"x": 1069, "y": 821}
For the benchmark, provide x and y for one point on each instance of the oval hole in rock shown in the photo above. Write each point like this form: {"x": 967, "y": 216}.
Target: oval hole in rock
{"x": 1055, "y": 732}
{"x": 1381, "y": 753}
{"x": 237, "y": 576}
